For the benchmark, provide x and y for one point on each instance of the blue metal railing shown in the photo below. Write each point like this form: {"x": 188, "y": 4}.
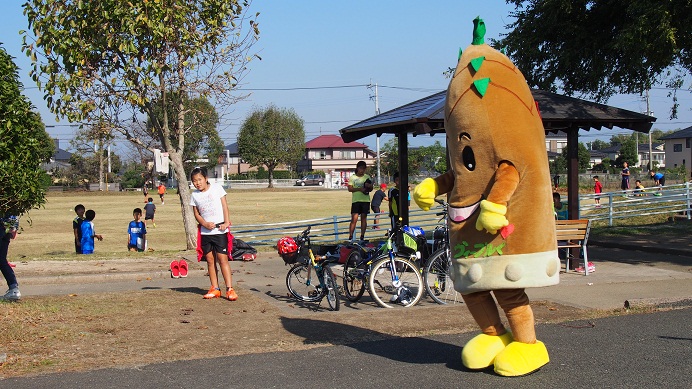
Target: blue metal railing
{"x": 329, "y": 229}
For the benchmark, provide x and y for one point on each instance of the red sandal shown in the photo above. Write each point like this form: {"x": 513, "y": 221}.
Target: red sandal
{"x": 182, "y": 264}
{"x": 175, "y": 269}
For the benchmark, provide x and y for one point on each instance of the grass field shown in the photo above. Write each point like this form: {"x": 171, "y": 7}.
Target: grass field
{"x": 50, "y": 236}
{"x": 49, "y": 233}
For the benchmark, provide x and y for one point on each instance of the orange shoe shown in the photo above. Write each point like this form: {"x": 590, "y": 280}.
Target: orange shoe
{"x": 231, "y": 295}
{"x": 213, "y": 293}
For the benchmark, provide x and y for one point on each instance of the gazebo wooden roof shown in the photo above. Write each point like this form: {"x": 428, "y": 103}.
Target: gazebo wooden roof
{"x": 559, "y": 113}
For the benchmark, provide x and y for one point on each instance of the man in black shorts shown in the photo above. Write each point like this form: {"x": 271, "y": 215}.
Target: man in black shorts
{"x": 376, "y": 203}
{"x": 359, "y": 185}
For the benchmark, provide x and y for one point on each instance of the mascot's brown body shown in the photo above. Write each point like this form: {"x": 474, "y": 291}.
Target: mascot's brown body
{"x": 502, "y": 228}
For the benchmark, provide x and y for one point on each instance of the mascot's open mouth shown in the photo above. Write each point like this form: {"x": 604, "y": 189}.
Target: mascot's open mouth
{"x": 460, "y": 214}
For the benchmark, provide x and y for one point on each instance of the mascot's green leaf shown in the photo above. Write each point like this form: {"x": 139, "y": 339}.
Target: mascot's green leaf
{"x": 482, "y": 85}
{"x": 460, "y": 52}
{"x": 476, "y": 63}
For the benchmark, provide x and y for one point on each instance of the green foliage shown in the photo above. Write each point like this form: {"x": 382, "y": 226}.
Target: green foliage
{"x": 431, "y": 159}
{"x": 24, "y": 144}
{"x": 271, "y": 137}
{"x": 599, "y": 144}
{"x": 133, "y": 176}
{"x": 560, "y": 163}
{"x": 113, "y": 60}
{"x": 628, "y": 153}
{"x": 198, "y": 127}
{"x": 600, "y": 47}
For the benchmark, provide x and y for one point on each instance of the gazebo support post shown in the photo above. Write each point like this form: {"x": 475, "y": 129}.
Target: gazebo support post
{"x": 403, "y": 176}
{"x": 573, "y": 183}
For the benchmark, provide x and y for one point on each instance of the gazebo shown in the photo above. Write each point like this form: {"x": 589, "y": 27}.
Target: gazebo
{"x": 558, "y": 112}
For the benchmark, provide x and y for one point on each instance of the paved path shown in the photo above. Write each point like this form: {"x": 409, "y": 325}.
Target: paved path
{"x": 644, "y": 350}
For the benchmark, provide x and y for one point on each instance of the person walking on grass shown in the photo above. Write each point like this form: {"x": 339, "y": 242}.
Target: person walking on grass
{"x": 145, "y": 191}
{"x": 360, "y": 186}
{"x": 136, "y": 232}
{"x": 9, "y": 225}
{"x": 77, "y": 227}
{"x": 215, "y": 242}
{"x": 597, "y": 189}
{"x": 162, "y": 191}
{"x": 89, "y": 232}
{"x": 149, "y": 211}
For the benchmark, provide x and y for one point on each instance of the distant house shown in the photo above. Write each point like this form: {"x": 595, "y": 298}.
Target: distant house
{"x": 231, "y": 163}
{"x": 330, "y": 154}
{"x": 678, "y": 146}
{"x": 59, "y": 160}
{"x": 658, "y": 154}
{"x": 555, "y": 142}
{"x": 596, "y": 157}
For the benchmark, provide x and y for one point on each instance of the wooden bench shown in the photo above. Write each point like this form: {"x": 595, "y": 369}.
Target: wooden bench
{"x": 573, "y": 234}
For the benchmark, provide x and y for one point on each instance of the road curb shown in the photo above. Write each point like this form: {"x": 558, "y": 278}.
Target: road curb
{"x": 96, "y": 278}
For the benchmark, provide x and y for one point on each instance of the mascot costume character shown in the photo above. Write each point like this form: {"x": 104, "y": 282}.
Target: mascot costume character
{"x": 502, "y": 227}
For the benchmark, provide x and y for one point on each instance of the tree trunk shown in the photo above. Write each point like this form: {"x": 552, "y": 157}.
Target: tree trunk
{"x": 184, "y": 193}
{"x": 270, "y": 170}
{"x": 99, "y": 150}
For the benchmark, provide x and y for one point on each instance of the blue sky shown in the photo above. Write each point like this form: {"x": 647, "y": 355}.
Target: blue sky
{"x": 310, "y": 43}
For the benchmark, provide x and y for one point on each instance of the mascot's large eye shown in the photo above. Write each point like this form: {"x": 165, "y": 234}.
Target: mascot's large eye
{"x": 468, "y": 158}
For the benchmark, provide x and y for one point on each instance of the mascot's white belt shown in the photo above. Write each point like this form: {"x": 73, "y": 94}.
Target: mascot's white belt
{"x": 506, "y": 272}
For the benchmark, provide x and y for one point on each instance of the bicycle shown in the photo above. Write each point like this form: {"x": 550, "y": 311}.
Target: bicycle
{"x": 394, "y": 279}
{"x": 357, "y": 270}
{"x": 300, "y": 279}
{"x": 438, "y": 268}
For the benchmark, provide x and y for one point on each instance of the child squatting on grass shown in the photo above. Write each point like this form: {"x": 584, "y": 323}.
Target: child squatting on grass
{"x": 214, "y": 241}
{"x": 136, "y": 232}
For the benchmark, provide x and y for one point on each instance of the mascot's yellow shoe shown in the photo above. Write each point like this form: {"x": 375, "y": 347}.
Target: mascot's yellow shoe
{"x": 480, "y": 352}
{"x": 519, "y": 359}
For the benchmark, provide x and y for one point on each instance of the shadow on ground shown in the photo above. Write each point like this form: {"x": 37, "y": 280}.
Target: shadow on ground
{"x": 415, "y": 350}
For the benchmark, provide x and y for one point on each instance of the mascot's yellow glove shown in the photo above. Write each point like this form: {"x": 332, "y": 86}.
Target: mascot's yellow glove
{"x": 492, "y": 217}
{"x": 424, "y": 193}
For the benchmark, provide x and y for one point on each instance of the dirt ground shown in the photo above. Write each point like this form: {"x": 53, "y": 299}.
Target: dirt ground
{"x": 45, "y": 334}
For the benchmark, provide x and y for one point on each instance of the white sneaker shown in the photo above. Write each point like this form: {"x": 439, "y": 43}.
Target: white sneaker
{"x": 12, "y": 294}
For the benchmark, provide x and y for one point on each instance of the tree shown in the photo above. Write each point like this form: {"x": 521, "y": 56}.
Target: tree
{"x": 599, "y": 144}
{"x": 24, "y": 144}
{"x": 628, "y": 153}
{"x": 389, "y": 162}
{"x": 199, "y": 128}
{"x": 271, "y": 137}
{"x": 598, "y": 47}
{"x": 112, "y": 60}
{"x": 433, "y": 158}
{"x": 583, "y": 155}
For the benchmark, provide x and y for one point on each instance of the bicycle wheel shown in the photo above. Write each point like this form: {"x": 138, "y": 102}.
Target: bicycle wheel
{"x": 354, "y": 280}
{"x": 437, "y": 278}
{"x": 389, "y": 293}
{"x": 332, "y": 289}
{"x": 300, "y": 286}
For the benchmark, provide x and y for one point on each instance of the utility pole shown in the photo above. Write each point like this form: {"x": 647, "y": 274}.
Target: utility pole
{"x": 377, "y": 112}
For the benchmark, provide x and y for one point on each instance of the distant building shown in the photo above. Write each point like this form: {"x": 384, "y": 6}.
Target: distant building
{"x": 658, "y": 154}
{"x": 330, "y": 154}
{"x": 555, "y": 142}
{"x": 59, "y": 160}
{"x": 678, "y": 146}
